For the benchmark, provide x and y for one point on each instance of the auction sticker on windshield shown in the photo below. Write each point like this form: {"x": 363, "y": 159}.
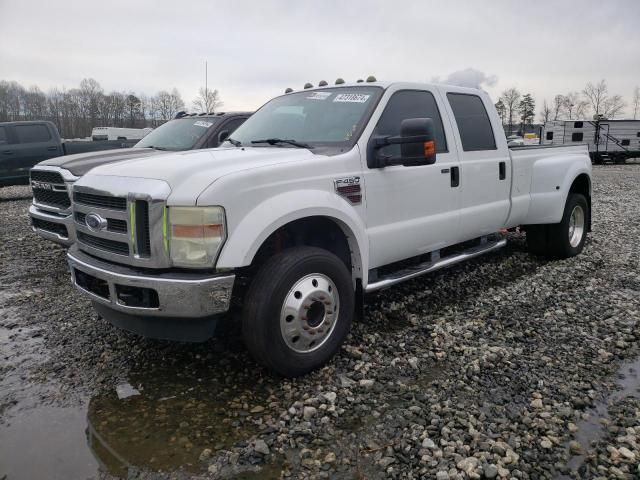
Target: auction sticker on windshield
{"x": 319, "y": 96}
{"x": 200, "y": 123}
{"x": 351, "y": 98}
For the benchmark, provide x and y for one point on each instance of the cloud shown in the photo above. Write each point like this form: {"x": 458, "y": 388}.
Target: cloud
{"x": 469, "y": 77}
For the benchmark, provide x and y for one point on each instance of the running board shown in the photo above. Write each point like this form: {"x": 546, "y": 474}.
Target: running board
{"x": 433, "y": 265}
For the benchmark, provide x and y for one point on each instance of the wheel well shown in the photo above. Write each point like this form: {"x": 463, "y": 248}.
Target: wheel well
{"x": 582, "y": 185}
{"x": 318, "y": 231}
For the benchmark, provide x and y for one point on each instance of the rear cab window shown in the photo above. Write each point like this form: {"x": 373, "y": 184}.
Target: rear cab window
{"x": 474, "y": 125}
{"x": 32, "y": 133}
{"x": 4, "y": 140}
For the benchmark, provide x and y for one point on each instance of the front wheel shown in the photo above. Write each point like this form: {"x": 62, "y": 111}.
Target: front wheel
{"x": 298, "y": 310}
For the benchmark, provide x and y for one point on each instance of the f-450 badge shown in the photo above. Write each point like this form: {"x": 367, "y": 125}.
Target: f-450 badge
{"x": 349, "y": 188}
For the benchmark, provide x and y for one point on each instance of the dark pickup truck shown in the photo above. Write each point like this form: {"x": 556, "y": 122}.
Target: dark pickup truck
{"x": 51, "y": 180}
{"x": 24, "y": 144}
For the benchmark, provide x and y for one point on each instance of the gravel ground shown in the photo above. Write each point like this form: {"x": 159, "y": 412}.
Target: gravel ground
{"x": 505, "y": 367}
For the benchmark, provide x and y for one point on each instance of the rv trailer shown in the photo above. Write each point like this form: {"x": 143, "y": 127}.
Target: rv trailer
{"x": 608, "y": 140}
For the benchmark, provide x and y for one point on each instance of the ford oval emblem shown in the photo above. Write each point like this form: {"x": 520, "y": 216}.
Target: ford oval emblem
{"x": 95, "y": 222}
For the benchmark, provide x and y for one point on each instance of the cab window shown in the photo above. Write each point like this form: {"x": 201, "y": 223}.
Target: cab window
{"x": 407, "y": 104}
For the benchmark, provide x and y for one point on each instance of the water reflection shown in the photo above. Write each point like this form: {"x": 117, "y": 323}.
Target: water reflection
{"x": 171, "y": 422}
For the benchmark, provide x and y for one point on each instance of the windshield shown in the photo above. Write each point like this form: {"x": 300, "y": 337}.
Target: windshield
{"x": 331, "y": 117}
{"x": 179, "y": 134}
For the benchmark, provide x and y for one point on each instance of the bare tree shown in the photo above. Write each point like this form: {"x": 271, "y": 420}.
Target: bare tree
{"x": 558, "y": 106}
{"x": 510, "y": 99}
{"x": 635, "y": 102}
{"x": 546, "y": 112}
{"x": 597, "y": 96}
{"x": 502, "y": 111}
{"x": 207, "y": 101}
{"x": 168, "y": 104}
{"x": 613, "y": 106}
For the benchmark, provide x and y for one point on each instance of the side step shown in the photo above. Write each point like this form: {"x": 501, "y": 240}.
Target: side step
{"x": 435, "y": 264}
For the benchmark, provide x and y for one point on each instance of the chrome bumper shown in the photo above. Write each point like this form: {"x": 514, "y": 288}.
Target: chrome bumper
{"x": 58, "y": 219}
{"x": 179, "y": 295}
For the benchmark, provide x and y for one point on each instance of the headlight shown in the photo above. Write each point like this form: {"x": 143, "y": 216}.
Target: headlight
{"x": 196, "y": 235}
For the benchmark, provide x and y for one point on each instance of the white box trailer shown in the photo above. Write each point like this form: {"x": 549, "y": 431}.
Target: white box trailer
{"x": 115, "y": 133}
{"x": 608, "y": 140}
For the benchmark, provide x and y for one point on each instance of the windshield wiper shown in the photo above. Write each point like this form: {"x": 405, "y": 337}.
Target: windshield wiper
{"x": 157, "y": 148}
{"x": 274, "y": 141}
{"x": 234, "y": 142}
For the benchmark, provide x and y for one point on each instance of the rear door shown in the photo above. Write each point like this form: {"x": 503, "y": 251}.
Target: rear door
{"x": 35, "y": 143}
{"x": 485, "y": 165}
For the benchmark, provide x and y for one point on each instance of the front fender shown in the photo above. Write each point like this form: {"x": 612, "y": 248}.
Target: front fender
{"x": 256, "y": 226}
{"x": 550, "y": 185}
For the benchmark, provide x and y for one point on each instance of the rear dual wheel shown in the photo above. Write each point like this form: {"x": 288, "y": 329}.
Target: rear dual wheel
{"x": 298, "y": 310}
{"x": 565, "y": 239}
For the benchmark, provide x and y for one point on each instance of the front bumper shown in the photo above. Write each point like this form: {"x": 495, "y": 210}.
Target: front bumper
{"x": 52, "y": 226}
{"x": 164, "y": 295}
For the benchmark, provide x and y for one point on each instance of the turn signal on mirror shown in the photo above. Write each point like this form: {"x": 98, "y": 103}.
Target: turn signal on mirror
{"x": 429, "y": 148}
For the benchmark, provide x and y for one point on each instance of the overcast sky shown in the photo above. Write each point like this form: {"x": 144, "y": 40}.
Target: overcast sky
{"x": 255, "y": 49}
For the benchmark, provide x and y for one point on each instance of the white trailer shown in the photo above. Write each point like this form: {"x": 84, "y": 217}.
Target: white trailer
{"x": 115, "y": 133}
{"x": 608, "y": 140}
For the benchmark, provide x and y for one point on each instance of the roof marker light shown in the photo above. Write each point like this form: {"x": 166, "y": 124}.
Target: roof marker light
{"x": 308, "y": 85}
{"x": 288, "y": 90}
{"x": 360, "y": 80}
{"x": 371, "y": 78}
{"x": 322, "y": 83}
{"x": 339, "y": 81}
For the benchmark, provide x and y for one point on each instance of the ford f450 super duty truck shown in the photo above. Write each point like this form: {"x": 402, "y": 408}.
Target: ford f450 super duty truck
{"x": 322, "y": 195}
{"x": 52, "y": 179}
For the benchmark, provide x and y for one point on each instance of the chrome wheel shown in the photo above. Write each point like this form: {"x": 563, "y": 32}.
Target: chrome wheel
{"x": 309, "y": 313}
{"x": 576, "y": 226}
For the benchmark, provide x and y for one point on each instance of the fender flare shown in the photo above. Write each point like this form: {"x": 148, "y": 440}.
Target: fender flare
{"x": 243, "y": 243}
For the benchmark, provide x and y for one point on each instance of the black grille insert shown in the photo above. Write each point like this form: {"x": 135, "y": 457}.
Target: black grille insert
{"x": 116, "y": 225}
{"x": 143, "y": 240}
{"x": 51, "y": 197}
{"x": 50, "y": 227}
{"x": 112, "y": 246}
{"x": 137, "y": 296}
{"x": 101, "y": 201}
{"x": 46, "y": 176}
{"x": 91, "y": 284}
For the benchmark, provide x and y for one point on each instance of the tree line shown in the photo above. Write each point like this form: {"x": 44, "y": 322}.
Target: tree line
{"x": 594, "y": 100}
{"x": 76, "y": 111}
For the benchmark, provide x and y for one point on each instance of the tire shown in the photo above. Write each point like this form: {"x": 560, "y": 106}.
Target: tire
{"x": 565, "y": 239}
{"x": 293, "y": 295}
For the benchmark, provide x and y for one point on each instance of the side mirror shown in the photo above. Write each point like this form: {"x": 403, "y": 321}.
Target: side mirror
{"x": 222, "y": 136}
{"x": 417, "y": 144}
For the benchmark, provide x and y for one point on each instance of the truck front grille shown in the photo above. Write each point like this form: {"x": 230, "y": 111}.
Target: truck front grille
{"x": 52, "y": 198}
{"x": 100, "y": 201}
{"x": 111, "y": 246}
{"x": 47, "y": 176}
{"x": 122, "y": 220}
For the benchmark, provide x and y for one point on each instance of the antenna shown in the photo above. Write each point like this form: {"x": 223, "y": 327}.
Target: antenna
{"x": 206, "y": 81}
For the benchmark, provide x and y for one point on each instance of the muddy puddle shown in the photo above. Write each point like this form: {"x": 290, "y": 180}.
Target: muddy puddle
{"x": 162, "y": 421}
{"x": 592, "y": 427}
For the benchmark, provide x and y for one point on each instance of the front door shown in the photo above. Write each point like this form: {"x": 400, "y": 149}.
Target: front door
{"x": 412, "y": 210}
{"x": 35, "y": 144}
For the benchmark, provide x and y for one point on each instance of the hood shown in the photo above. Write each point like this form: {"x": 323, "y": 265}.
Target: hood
{"x": 80, "y": 163}
{"x": 189, "y": 173}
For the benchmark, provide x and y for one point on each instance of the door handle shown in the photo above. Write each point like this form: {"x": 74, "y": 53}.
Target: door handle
{"x": 52, "y": 149}
{"x": 502, "y": 170}
{"x": 8, "y": 152}
{"x": 455, "y": 176}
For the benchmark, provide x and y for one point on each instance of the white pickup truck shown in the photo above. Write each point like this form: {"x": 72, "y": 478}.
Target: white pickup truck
{"x": 321, "y": 196}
